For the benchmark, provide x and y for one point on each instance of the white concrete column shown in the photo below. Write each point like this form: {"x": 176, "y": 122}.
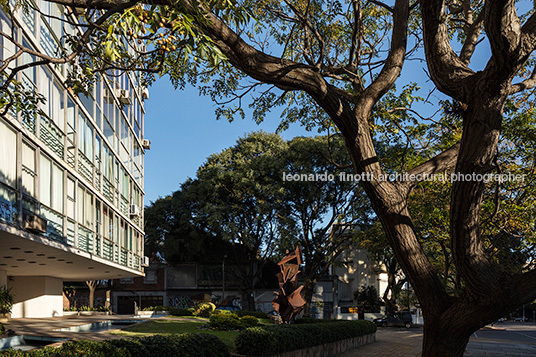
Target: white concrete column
{"x": 36, "y": 296}
{"x": 3, "y": 278}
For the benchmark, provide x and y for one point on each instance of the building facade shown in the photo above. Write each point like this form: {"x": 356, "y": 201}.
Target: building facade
{"x": 71, "y": 177}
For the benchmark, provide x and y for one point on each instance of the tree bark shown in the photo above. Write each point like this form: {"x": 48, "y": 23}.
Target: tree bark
{"x": 307, "y": 292}
{"x": 92, "y": 285}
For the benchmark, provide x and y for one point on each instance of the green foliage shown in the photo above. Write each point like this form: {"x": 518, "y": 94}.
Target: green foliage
{"x": 204, "y": 309}
{"x": 87, "y": 308}
{"x": 14, "y": 353}
{"x": 182, "y": 345}
{"x": 227, "y": 322}
{"x": 249, "y": 321}
{"x": 134, "y": 347}
{"x": 267, "y": 341}
{"x": 367, "y": 298}
{"x": 311, "y": 320}
{"x": 6, "y": 300}
{"x": 2, "y": 328}
{"x": 257, "y": 314}
{"x": 156, "y": 308}
{"x": 90, "y": 349}
{"x": 185, "y": 345}
{"x": 181, "y": 312}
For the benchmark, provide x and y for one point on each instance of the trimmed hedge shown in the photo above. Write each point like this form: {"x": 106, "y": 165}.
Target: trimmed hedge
{"x": 184, "y": 345}
{"x": 257, "y": 314}
{"x": 181, "y": 312}
{"x": 227, "y": 322}
{"x": 272, "y": 340}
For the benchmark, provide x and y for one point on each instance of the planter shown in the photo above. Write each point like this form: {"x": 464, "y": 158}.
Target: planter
{"x": 333, "y": 348}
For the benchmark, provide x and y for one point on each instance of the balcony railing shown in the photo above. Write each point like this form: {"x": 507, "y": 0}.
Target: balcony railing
{"x": 54, "y": 223}
{"x": 52, "y": 136}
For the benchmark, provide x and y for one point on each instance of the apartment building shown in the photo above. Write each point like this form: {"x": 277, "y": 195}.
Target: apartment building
{"x": 71, "y": 179}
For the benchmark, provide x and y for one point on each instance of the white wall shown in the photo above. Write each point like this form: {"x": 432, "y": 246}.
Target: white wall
{"x": 36, "y": 296}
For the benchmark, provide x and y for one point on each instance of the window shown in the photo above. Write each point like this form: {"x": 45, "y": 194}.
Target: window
{"x": 85, "y": 207}
{"x": 85, "y": 137}
{"x": 71, "y": 198}
{"x": 53, "y": 107}
{"x": 8, "y": 158}
{"x": 7, "y": 48}
{"x": 50, "y": 184}
{"x": 28, "y": 170}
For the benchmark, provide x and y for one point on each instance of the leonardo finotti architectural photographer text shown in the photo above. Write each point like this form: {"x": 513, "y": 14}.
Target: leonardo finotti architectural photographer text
{"x": 442, "y": 177}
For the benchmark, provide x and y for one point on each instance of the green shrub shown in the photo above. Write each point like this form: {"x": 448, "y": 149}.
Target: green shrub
{"x": 185, "y": 345}
{"x": 201, "y": 345}
{"x": 90, "y": 349}
{"x": 134, "y": 347}
{"x": 257, "y": 314}
{"x": 156, "y": 308}
{"x": 12, "y": 353}
{"x": 159, "y": 345}
{"x": 204, "y": 309}
{"x": 2, "y": 328}
{"x": 181, "y": 312}
{"x": 249, "y": 321}
{"x": 6, "y": 300}
{"x": 225, "y": 322}
{"x": 311, "y": 320}
{"x": 230, "y": 321}
{"x": 272, "y": 340}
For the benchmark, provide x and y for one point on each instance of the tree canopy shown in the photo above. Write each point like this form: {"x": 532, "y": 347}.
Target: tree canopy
{"x": 240, "y": 196}
{"x": 334, "y": 64}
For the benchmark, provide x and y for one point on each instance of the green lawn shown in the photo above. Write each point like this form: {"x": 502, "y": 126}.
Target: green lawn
{"x": 172, "y": 326}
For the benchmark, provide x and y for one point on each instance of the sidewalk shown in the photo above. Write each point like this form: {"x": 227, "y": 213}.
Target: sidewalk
{"x": 392, "y": 342}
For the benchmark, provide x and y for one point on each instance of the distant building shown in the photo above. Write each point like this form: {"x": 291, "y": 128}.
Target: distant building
{"x": 71, "y": 180}
{"x": 352, "y": 269}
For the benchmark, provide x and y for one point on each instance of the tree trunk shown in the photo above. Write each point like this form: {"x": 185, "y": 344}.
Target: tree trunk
{"x": 92, "y": 285}
{"x": 248, "y": 301}
{"x": 438, "y": 342}
{"x": 307, "y": 293}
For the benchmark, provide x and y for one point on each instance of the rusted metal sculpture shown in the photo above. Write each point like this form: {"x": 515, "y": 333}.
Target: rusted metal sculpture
{"x": 289, "y": 302}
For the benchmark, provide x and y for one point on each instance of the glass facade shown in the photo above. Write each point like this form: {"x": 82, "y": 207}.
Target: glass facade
{"x": 79, "y": 166}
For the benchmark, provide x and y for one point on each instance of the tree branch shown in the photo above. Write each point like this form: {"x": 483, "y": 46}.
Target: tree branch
{"x": 449, "y": 73}
{"x": 438, "y": 164}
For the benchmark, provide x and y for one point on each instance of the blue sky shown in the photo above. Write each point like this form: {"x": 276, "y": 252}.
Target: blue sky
{"x": 184, "y": 131}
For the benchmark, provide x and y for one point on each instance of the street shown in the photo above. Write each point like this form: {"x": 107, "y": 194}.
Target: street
{"x": 515, "y": 339}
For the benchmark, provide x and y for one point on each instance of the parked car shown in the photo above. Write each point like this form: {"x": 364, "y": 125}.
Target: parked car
{"x": 520, "y": 319}
{"x": 397, "y": 319}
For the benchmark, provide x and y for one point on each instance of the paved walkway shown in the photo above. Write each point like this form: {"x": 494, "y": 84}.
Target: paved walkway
{"x": 48, "y": 326}
{"x": 392, "y": 342}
